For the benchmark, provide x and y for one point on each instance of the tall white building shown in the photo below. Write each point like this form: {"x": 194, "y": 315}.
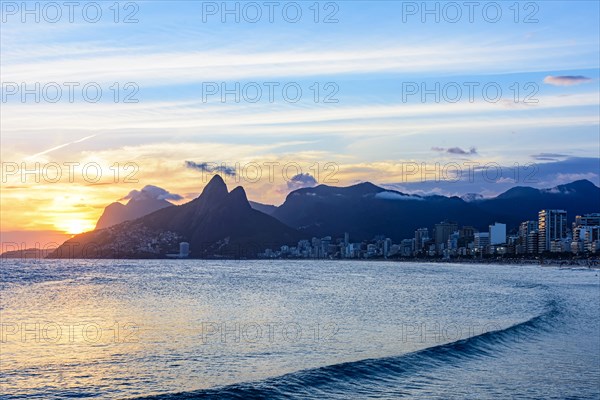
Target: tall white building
{"x": 407, "y": 247}
{"x": 184, "y": 249}
{"x": 421, "y": 237}
{"x": 552, "y": 225}
{"x": 526, "y": 230}
{"x": 533, "y": 242}
{"x": 588, "y": 220}
{"x": 482, "y": 240}
{"x": 586, "y": 232}
{"x": 497, "y": 233}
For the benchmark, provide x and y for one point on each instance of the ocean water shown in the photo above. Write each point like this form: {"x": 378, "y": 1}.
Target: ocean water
{"x": 297, "y": 329}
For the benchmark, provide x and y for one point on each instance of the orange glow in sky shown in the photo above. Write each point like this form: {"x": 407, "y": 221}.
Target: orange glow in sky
{"x": 75, "y": 226}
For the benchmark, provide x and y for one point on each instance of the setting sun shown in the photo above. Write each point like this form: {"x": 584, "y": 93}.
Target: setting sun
{"x": 76, "y": 226}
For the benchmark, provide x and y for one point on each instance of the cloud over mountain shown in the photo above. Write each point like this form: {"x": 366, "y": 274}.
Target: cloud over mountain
{"x": 388, "y": 195}
{"x": 301, "y": 181}
{"x": 492, "y": 180}
{"x": 151, "y": 192}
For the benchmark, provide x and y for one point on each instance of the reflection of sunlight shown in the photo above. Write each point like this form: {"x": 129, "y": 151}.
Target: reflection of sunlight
{"x": 75, "y": 226}
{"x": 59, "y": 328}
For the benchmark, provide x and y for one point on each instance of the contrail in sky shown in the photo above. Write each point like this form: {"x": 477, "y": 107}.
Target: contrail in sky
{"x": 59, "y": 147}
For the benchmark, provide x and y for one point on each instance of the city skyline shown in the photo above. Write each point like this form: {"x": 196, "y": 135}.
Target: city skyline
{"x": 465, "y": 243}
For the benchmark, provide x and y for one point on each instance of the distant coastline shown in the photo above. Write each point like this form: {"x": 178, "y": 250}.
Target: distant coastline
{"x": 592, "y": 263}
{"x": 30, "y": 253}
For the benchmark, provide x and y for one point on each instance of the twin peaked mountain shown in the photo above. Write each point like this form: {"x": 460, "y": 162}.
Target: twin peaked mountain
{"x": 225, "y": 224}
{"x": 217, "y": 223}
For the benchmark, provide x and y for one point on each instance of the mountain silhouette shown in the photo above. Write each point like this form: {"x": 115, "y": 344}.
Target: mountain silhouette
{"x": 264, "y": 208}
{"x": 523, "y": 203}
{"x": 217, "y": 223}
{"x": 366, "y": 210}
{"x": 217, "y": 214}
{"x": 116, "y": 212}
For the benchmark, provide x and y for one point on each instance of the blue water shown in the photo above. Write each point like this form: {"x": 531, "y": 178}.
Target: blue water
{"x": 303, "y": 329}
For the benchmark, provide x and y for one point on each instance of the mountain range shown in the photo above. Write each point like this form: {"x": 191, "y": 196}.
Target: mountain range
{"x": 365, "y": 210}
{"x": 219, "y": 223}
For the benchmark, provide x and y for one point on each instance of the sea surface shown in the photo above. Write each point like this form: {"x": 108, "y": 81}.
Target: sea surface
{"x": 185, "y": 329}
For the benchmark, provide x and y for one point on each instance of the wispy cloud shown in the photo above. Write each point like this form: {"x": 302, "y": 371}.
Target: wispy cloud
{"x": 548, "y": 156}
{"x": 197, "y": 117}
{"x": 566, "y": 80}
{"x": 456, "y": 151}
{"x": 154, "y": 67}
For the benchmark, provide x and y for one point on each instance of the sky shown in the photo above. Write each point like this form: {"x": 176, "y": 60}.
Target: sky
{"x": 432, "y": 97}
